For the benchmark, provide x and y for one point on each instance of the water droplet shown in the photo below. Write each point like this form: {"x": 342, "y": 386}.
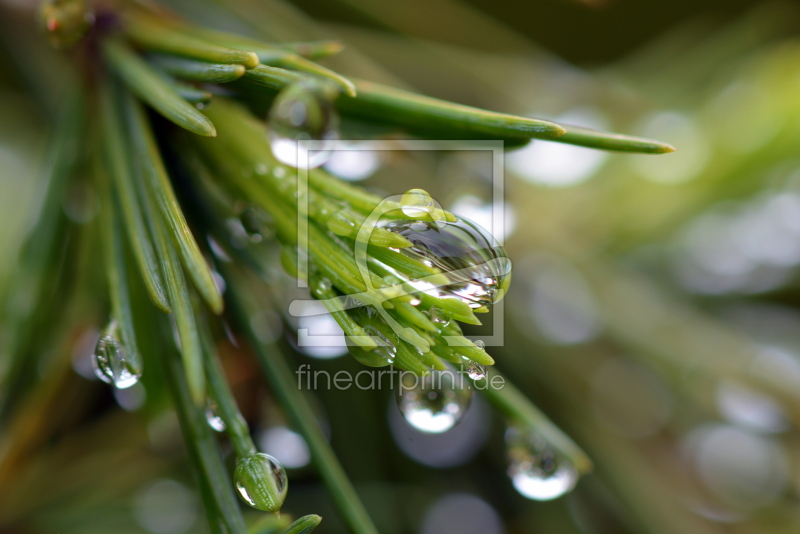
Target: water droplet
{"x": 213, "y": 417}
{"x": 381, "y": 356}
{"x": 476, "y": 371}
{"x": 537, "y": 471}
{"x": 112, "y": 363}
{"x": 303, "y": 111}
{"x": 416, "y": 203}
{"x": 261, "y": 481}
{"x": 257, "y": 223}
{"x": 477, "y": 267}
{"x": 434, "y": 403}
{"x": 440, "y": 317}
{"x": 480, "y": 344}
{"x": 372, "y": 324}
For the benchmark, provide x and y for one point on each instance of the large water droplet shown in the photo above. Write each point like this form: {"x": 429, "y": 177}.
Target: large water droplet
{"x": 112, "y": 363}
{"x": 213, "y": 416}
{"x": 303, "y": 111}
{"x": 537, "y": 471}
{"x": 477, "y": 267}
{"x": 434, "y": 403}
{"x": 372, "y": 324}
{"x": 261, "y": 481}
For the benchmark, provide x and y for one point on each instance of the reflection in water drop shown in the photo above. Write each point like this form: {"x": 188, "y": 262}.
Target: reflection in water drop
{"x": 303, "y": 111}
{"x": 434, "y": 403}
{"x": 373, "y": 325}
{"x": 537, "y": 471}
{"x": 455, "y": 447}
{"x": 213, "y": 416}
{"x": 439, "y": 316}
{"x": 418, "y": 204}
{"x": 477, "y": 267}
{"x": 261, "y": 481}
{"x": 476, "y": 371}
{"x": 257, "y": 223}
{"x": 112, "y": 363}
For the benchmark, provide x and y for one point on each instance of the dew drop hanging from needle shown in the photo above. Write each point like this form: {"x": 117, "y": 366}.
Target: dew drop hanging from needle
{"x": 478, "y": 268}
{"x": 261, "y": 481}
{"x": 304, "y": 111}
{"x": 434, "y": 403}
{"x": 213, "y": 416}
{"x": 112, "y": 362}
{"x": 374, "y": 326}
{"x": 537, "y": 470}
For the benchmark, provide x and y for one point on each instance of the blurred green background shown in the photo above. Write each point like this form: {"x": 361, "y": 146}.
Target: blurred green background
{"x": 654, "y": 310}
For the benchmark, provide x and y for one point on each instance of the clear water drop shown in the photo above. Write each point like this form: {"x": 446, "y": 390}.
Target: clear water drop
{"x": 440, "y": 317}
{"x": 480, "y": 344}
{"x": 112, "y": 363}
{"x": 381, "y": 356}
{"x": 476, "y": 371}
{"x": 374, "y": 326}
{"x": 213, "y": 417}
{"x": 257, "y": 223}
{"x": 303, "y": 111}
{"x": 537, "y": 471}
{"x": 478, "y": 268}
{"x": 261, "y": 481}
{"x": 434, "y": 403}
{"x": 417, "y": 203}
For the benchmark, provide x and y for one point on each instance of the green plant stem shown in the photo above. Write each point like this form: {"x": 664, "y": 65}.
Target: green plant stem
{"x": 153, "y": 35}
{"x": 297, "y": 407}
{"x": 183, "y": 311}
{"x": 116, "y": 269}
{"x": 273, "y": 77}
{"x": 420, "y": 113}
{"x": 155, "y": 176}
{"x": 153, "y": 89}
{"x": 610, "y": 141}
{"x": 299, "y": 63}
{"x": 266, "y": 52}
{"x": 512, "y": 403}
{"x": 197, "y": 71}
{"x": 120, "y": 168}
{"x": 222, "y": 507}
{"x": 191, "y": 94}
{"x": 235, "y": 424}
